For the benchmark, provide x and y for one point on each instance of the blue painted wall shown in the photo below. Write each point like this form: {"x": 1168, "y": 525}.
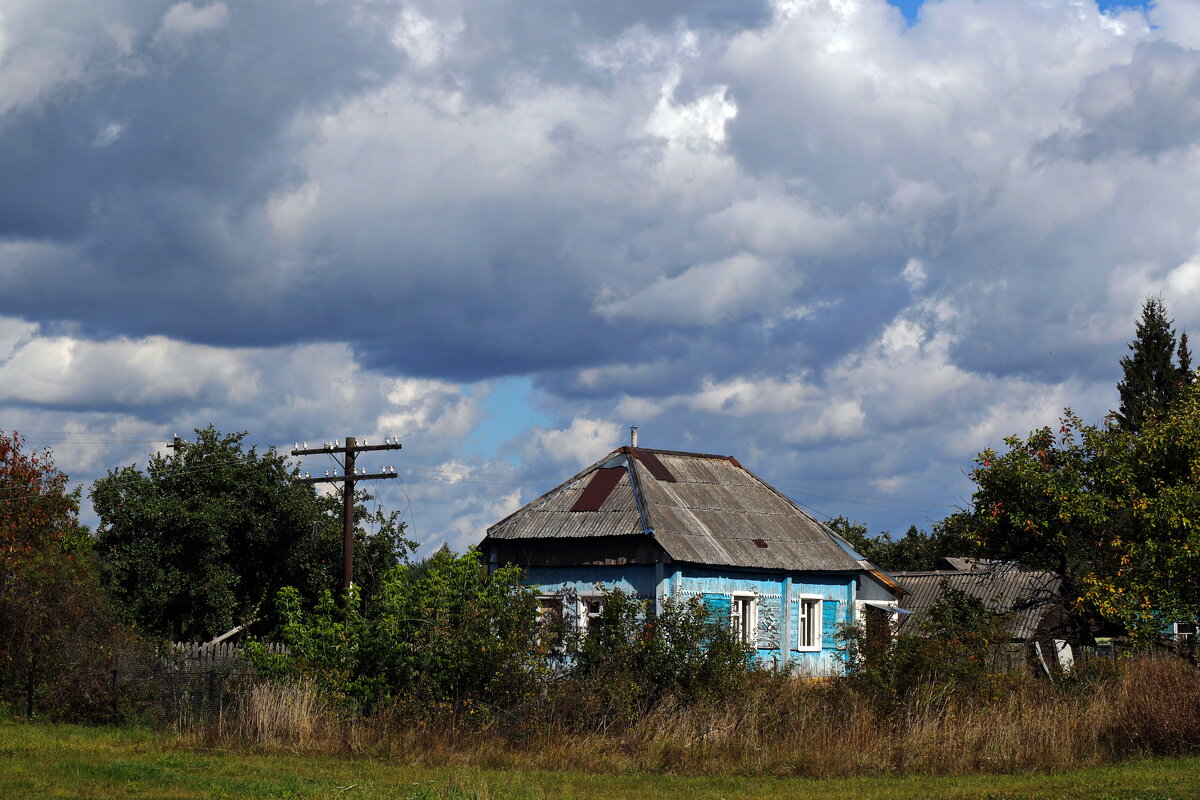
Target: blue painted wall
{"x": 776, "y": 641}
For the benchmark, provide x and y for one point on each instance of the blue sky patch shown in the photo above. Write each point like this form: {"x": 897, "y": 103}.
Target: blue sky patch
{"x": 508, "y": 410}
{"x": 910, "y": 8}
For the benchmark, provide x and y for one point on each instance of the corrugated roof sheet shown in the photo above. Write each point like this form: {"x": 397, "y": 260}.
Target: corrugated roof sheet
{"x": 711, "y": 513}
{"x": 1024, "y": 594}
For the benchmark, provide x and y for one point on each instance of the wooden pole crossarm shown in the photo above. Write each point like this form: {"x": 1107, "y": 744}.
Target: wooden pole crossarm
{"x": 342, "y": 478}
{"x": 361, "y": 448}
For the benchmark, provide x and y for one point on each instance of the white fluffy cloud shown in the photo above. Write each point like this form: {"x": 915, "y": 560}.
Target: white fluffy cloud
{"x": 849, "y": 251}
{"x": 185, "y": 19}
{"x": 580, "y": 443}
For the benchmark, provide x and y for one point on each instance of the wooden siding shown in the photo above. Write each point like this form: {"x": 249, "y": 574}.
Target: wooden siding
{"x": 775, "y": 646}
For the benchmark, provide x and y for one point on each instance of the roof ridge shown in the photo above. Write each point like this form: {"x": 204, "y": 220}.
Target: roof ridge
{"x": 657, "y": 451}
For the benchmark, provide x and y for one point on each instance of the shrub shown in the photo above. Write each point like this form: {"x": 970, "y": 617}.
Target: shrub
{"x": 57, "y": 633}
{"x": 451, "y": 635}
{"x": 959, "y": 646}
{"x": 630, "y": 661}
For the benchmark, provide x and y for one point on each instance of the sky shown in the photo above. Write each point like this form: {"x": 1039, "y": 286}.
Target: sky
{"x": 848, "y": 242}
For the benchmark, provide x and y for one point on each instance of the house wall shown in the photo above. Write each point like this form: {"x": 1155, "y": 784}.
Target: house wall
{"x": 871, "y": 589}
{"x": 637, "y": 579}
{"x": 778, "y": 597}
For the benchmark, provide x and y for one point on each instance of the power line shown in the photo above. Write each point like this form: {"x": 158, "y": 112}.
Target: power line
{"x": 833, "y": 493}
{"x": 118, "y": 478}
{"x": 884, "y": 506}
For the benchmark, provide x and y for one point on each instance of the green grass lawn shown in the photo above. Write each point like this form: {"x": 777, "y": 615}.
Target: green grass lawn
{"x": 70, "y": 761}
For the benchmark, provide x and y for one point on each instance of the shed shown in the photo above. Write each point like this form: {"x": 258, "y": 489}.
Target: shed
{"x": 664, "y": 523}
{"x": 1038, "y": 625}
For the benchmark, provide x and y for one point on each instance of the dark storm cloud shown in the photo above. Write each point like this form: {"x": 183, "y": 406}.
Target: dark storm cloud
{"x": 199, "y": 112}
{"x": 149, "y": 174}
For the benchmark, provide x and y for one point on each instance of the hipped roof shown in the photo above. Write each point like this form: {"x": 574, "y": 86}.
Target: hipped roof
{"x": 699, "y": 508}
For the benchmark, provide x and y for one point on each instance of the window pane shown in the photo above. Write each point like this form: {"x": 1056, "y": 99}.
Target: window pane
{"x": 809, "y": 619}
{"x": 743, "y": 618}
{"x": 591, "y": 614}
{"x": 550, "y": 610}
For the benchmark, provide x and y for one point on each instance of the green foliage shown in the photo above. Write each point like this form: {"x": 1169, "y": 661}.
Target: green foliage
{"x": 915, "y": 550}
{"x": 1110, "y": 509}
{"x": 452, "y": 635}
{"x": 57, "y": 633}
{"x": 632, "y": 658}
{"x": 449, "y": 635}
{"x": 1036, "y": 503}
{"x": 957, "y": 647}
{"x": 1148, "y": 572}
{"x": 205, "y": 538}
{"x": 1151, "y": 379}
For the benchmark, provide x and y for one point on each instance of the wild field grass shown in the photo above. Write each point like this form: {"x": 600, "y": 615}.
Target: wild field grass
{"x": 777, "y": 727}
{"x": 63, "y": 761}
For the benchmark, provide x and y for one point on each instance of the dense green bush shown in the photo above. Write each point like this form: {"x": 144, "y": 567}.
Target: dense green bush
{"x": 632, "y": 659}
{"x": 960, "y": 646}
{"x": 681, "y": 651}
{"x": 452, "y": 634}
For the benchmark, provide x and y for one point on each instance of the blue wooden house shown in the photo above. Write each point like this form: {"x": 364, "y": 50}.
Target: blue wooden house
{"x": 659, "y": 524}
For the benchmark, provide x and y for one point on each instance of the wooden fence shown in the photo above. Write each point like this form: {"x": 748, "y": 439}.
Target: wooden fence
{"x": 201, "y": 655}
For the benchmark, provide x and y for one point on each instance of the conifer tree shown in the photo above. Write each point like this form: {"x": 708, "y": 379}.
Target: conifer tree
{"x": 1185, "y": 360}
{"x": 1151, "y": 379}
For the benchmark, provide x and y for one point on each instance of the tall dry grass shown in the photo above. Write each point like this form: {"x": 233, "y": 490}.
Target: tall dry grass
{"x": 777, "y": 726}
{"x": 272, "y": 716}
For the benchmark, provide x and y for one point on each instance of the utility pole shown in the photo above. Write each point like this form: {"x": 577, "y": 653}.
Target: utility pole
{"x": 349, "y": 475}
{"x": 176, "y": 444}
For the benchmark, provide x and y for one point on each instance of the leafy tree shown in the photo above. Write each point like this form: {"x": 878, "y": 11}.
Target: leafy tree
{"x": 57, "y": 633}
{"x": 204, "y": 538}
{"x": 1151, "y": 379}
{"x": 1148, "y": 571}
{"x": 1114, "y": 513}
{"x": 1041, "y": 504}
{"x": 915, "y": 550}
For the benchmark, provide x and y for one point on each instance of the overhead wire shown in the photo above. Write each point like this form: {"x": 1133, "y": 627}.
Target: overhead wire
{"x": 117, "y": 478}
{"x": 834, "y": 494}
{"x": 540, "y": 482}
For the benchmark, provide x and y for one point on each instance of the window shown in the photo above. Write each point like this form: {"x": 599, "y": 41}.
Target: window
{"x": 550, "y": 611}
{"x": 879, "y": 619}
{"x": 745, "y": 618}
{"x": 550, "y": 622}
{"x": 809, "y": 624}
{"x": 590, "y": 618}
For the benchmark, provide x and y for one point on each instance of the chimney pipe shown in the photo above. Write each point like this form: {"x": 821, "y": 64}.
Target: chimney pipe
{"x": 633, "y": 435}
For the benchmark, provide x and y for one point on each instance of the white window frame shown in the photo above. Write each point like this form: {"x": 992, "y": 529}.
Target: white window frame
{"x": 749, "y": 636}
{"x": 815, "y": 621}
{"x": 584, "y": 616}
{"x": 860, "y": 614}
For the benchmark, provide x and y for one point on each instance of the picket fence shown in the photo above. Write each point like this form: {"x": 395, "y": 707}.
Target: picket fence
{"x": 203, "y": 655}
